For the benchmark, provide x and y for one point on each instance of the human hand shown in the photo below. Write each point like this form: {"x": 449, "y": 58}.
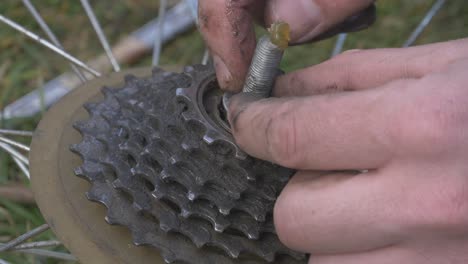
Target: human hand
{"x": 401, "y": 114}
{"x": 227, "y": 27}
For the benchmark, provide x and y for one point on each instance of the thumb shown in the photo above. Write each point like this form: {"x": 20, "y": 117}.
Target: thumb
{"x": 318, "y": 19}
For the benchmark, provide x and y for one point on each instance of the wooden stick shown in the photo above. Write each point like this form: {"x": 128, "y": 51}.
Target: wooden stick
{"x": 17, "y": 193}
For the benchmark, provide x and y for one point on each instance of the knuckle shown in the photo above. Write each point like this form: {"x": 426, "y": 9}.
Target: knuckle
{"x": 282, "y": 138}
{"x": 432, "y": 126}
{"x": 453, "y": 50}
{"x": 346, "y": 64}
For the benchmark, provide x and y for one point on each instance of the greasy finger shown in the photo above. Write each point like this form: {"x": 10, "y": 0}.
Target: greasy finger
{"x": 227, "y": 28}
{"x": 324, "y": 132}
{"x": 310, "y": 18}
{"x": 363, "y": 69}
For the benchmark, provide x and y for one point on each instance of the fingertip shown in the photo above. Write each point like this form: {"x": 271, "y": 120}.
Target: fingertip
{"x": 223, "y": 73}
{"x": 226, "y": 80}
{"x": 284, "y": 213}
{"x": 237, "y": 104}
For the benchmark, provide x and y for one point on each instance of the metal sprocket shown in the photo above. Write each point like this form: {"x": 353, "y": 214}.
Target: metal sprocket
{"x": 175, "y": 178}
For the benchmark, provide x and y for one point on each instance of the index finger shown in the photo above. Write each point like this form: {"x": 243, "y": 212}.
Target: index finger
{"x": 349, "y": 130}
{"x": 227, "y": 27}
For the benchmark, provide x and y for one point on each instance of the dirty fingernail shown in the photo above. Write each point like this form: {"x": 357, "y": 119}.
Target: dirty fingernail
{"x": 237, "y": 104}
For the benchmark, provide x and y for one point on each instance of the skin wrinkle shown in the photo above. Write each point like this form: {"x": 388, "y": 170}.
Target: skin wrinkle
{"x": 237, "y": 105}
{"x": 281, "y": 134}
{"x": 267, "y": 134}
{"x": 235, "y": 118}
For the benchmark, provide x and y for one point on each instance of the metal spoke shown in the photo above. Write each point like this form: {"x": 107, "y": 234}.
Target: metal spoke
{"x": 46, "y": 253}
{"x": 49, "y": 45}
{"x": 178, "y": 19}
{"x": 16, "y": 132}
{"x": 425, "y": 21}
{"x": 206, "y": 57}
{"x": 49, "y": 254}
{"x": 50, "y": 34}
{"x": 339, "y": 44}
{"x": 14, "y": 143}
{"x": 15, "y": 242}
{"x": 14, "y": 153}
{"x": 159, "y": 32}
{"x": 22, "y": 167}
{"x": 193, "y": 5}
{"x": 102, "y": 38}
{"x": 20, "y": 160}
{"x": 38, "y": 244}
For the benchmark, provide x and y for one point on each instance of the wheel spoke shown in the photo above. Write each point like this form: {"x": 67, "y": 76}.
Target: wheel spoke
{"x": 102, "y": 38}
{"x": 46, "y": 253}
{"x": 49, "y": 254}
{"x": 49, "y": 45}
{"x": 193, "y": 5}
{"x": 178, "y": 19}
{"x": 424, "y": 22}
{"x": 15, "y": 242}
{"x": 159, "y": 32}
{"x": 50, "y": 34}
{"x": 37, "y": 244}
{"x": 14, "y": 143}
{"x": 206, "y": 57}
{"x": 16, "y": 132}
{"x": 22, "y": 167}
{"x": 14, "y": 153}
{"x": 339, "y": 44}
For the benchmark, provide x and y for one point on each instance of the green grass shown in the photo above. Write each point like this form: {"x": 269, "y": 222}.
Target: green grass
{"x": 24, "y": 65}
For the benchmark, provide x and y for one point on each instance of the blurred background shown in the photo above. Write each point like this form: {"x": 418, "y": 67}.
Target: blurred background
{"x": 24, "y": 66}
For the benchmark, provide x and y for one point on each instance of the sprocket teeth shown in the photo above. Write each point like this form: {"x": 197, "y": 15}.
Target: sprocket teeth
{"x": 141, "y": 169}
{"x": 165, "y": 175}
{"x": 179, "y": 181}
{"x": 188, "y": 146}
{"x": 130, "y": 79}
{"x": 80, "y": 126}
{"x": 140, "y": 198}
{"x": 107, "y": 91}
{"x": 210, "y": 137}
{"x": 197, "y": 69}
{"x": 90, "y": 107}
{"x": 156, "y": 71}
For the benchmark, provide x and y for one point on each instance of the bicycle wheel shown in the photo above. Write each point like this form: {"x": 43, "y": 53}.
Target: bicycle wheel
{"x": 81, "y": 229}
